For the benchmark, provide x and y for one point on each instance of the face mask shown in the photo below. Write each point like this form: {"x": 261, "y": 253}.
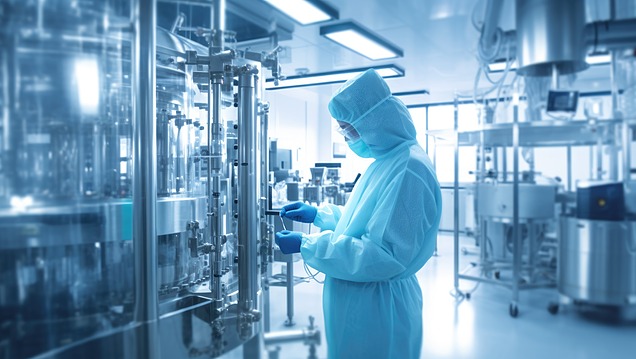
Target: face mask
{"x": 360, "y": 148}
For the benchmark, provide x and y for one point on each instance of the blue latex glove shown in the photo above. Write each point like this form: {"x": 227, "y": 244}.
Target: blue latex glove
{"x": 289, "y": 241}
{"x": 299, "y": 212}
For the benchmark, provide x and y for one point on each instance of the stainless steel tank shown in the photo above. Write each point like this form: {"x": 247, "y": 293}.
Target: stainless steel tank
{"x": 597, "y": 261}
{"x": 495, "y": 212}
{"x": 550, "y": 34}
{"x": 535, "y": 201}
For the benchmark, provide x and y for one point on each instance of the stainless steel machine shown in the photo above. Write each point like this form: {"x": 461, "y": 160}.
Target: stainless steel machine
{"x": 133, "y": 186}
{"x": 495, "y": 211}
{"x": 596, "y": 258}
{"x": 597, "y": 262}
{"x": 313, "y": 192}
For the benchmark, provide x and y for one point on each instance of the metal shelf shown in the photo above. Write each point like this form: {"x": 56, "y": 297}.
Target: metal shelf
{"x": 553, "y": 133}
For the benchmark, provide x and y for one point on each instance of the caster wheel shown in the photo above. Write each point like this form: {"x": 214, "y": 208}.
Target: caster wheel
{"x": 467, "y": 296}
{"x": 514, "y": 310}
{"x": 553, "y": 308}
{"x": 497, "y": 275}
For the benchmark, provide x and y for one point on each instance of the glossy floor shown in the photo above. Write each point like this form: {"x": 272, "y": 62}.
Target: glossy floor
{"x": 479, "y": 327}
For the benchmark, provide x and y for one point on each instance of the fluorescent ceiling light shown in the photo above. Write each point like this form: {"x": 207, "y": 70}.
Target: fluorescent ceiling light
{"x": 500, "y": 65}
{"x": 592, "y": 60}
{"x": 598, "y": 59}
{"x": 412, "y": 97}
{"x": 305, "y": 12}
{"x": 361, "y": 40}
{"x": 332, "y": 77}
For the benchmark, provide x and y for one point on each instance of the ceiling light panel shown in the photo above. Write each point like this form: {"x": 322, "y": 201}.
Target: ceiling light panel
{"x": 332, "y": 77}
{"x": 305, "y": 12}
{"x": 361, "y": 40}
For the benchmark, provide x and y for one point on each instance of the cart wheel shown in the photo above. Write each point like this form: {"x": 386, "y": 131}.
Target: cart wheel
{"x": 467, "y": 296}
{"x": 553, "y": 308}
{"x": 497, "y": 274}
{"x": 514, "y": 310}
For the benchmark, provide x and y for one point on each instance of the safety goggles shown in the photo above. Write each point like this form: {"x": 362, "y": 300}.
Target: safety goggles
{"x": 347, "y": 131}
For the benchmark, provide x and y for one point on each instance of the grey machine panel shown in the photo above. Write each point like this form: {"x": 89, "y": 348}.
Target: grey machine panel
{"x": 597, "y": 261}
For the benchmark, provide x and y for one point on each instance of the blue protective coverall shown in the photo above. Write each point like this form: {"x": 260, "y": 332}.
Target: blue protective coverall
{"x": 371, "y": 249}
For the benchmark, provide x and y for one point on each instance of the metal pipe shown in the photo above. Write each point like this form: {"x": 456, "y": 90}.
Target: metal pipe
{"x": 267, "y": 301}
{"x": 600, "y": 36}
{"x": 481, "y": 170}
{"x": 308, "y": 336}
{"x": 504, "y": 163}
{"x": 178, "y": 21}
{"x": 211, "y": 222}
{"x": 516, "y": 233}
{"x": 267, "y": 235}
{"x": 569, "y": 173}
{"x": 481, "y": 227}
{"x": 218, "y": 27}
{"x": 603, "y": 36}
{"x": 145, "y": 181}
{"x": 627, "y": 153}
{"x": 591, "y": 166}
{"x": 267, "y": 222}
{"x": 495, "y": 161}
{"x": 289, "y": 290}
{"x": 456, "y": 198}
{"x": 427, "y": 137}
{"x": 599, "y": 159}
{"x": 163, "y": 155}
{"x": 614, "y": 83}
{"x": 613, "y": 158}
{"x": 248, "y": 192}
{"x": 215, "y": 143}
{"x": 215, "y": 147}
{"x": 613, "y": 153}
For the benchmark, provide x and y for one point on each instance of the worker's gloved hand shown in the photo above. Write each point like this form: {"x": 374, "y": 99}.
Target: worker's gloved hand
{"x": 289, "y": 241}
{"x": 299, "y": 212}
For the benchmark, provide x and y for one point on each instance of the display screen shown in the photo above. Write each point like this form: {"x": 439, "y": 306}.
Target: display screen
{"x": 562, "y": 101}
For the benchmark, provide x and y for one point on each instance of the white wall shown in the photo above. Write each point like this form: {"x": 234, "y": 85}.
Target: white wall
{"x": 294, "y": 122}
{"x": 300, "y": 121}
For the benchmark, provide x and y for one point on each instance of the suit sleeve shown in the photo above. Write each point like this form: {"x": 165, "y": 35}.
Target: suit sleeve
{"x": 386, "y": 244}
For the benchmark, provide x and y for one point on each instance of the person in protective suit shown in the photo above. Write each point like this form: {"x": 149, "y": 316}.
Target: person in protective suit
{"x": 371, "y": 249}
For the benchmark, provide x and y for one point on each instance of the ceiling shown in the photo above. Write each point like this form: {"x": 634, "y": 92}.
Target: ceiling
{"x": 437, "y": 36}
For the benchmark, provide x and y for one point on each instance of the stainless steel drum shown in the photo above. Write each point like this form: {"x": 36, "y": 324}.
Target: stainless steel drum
{"x": 597, "y": 261}
{"x": 550, "y": 33}
{"x": 535, "y": 201}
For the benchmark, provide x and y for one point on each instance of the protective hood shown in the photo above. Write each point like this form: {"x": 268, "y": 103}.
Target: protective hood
{"x": 382, "y": 121}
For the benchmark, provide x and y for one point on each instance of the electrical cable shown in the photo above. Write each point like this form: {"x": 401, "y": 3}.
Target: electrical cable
{"x": 308, "y": 271}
